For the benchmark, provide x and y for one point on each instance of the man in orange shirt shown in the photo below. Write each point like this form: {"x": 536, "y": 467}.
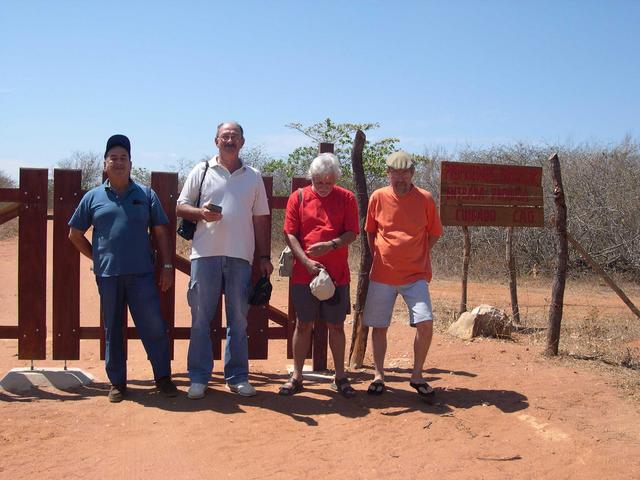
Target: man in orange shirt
{"x": 402, "y": 227}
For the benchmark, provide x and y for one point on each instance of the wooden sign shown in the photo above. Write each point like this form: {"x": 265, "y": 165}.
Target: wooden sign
{"x": 479, "y": 194}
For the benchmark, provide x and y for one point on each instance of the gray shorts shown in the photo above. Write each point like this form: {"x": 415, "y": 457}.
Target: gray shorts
{"x": 309, "y": 308}
{"x": 382, "y": 297}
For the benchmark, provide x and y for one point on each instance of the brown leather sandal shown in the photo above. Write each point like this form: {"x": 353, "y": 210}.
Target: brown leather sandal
{"x": 290, "y": 387}
{"x": 343, "y": 387}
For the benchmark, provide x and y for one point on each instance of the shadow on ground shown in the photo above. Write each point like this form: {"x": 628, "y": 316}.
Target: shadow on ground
{"x": 317, "y": 398}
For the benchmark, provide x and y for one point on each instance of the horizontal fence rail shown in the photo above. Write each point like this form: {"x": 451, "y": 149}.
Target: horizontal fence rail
{"x": 29, "y": 204}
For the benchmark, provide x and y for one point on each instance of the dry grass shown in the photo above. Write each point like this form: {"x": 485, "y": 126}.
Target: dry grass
{"x": 598, "y": 330}
{"x": 9, "y": 229}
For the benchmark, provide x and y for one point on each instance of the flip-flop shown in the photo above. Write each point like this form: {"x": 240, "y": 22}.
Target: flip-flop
{"x": 343, "y": 387}
{"x": 291, "y": 387}
{"x": 423, "y": 388}
{"x": 376, "y": 387}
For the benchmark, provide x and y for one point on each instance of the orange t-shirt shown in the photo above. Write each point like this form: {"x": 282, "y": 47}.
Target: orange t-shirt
{"x": 402, "y": 226}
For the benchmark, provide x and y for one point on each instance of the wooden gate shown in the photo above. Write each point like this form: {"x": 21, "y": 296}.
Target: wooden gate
{"x": 29, "y": 203}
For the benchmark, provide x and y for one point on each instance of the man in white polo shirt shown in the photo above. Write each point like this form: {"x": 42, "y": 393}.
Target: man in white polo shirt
{"x": 231, "y": 221}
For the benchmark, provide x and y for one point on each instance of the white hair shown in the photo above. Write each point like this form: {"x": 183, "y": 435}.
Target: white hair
{"x": 323, "y": 165}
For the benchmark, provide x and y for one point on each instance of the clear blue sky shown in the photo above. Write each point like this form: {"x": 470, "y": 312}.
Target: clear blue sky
{"x": 434, "y": 74}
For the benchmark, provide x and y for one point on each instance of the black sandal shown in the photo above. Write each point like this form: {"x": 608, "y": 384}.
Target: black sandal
{"x": 291, "y": 387}
{"x": 376, "y": 387}
{"x": 423, "y": 388}
{"x": 343, "y": 387}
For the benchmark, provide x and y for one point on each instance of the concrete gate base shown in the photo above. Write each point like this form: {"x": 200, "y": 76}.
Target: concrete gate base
{"x": 21, "y": 380}
{"x": 309, "y": 374}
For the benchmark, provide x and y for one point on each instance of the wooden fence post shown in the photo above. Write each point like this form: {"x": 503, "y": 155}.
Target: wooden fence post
{"x": 466, "y": 254}
{"x": 32, "y": 264}
{"x": 257, "y": 328}
{"x": 297, "y": 183}
{"x": 67, "y": 193}
{"x": 600, "y": 271}
{"x": 560, "y": 275}
{"x": 320, "y": 334}
{"x": 360, "y": 332}
{"x": 166, "y": 187}
{"x": 513, "y": 280}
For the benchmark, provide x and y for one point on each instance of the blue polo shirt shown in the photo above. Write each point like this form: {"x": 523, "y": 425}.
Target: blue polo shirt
{"x": 120, "y": 223}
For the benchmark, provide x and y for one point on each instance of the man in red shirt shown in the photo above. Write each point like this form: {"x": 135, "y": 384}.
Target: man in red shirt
{"x": 321, "y": 220}
{"x": 402, "y": 227}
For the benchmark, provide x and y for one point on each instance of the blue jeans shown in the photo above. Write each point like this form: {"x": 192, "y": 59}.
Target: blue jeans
{"x": 209, "y": 277}
{"x": 140, "y": 293}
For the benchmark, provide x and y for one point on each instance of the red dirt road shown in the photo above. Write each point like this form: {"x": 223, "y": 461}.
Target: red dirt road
{"x": 502, "y": 411}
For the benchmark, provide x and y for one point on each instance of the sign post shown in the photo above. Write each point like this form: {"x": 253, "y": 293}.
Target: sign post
{"x": 481, "y": 194}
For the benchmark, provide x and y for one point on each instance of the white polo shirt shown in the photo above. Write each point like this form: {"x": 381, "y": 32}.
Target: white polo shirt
{"x": 241, "y": 195}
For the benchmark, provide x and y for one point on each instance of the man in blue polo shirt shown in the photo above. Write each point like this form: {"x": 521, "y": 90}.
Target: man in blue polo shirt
{"x": 121, "y": 212}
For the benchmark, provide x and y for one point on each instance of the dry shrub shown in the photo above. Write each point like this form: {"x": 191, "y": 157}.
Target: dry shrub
{"x": 9, "y": 229}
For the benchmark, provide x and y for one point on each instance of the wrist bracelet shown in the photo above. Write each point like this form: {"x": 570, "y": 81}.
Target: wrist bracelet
{"x": 335, "y": 245}
{"x": 265, "y": 257}
{"x": 167, "y": 265}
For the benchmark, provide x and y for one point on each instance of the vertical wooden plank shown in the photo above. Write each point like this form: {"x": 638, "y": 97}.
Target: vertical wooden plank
{"x": 125, "y": 320}
{"x": 102, "y": 339}
{"x": 360, "y": 332}
{"x": 217, "y": 332}
{"x": 32, "y": 264}
{"x": 466, "y": 255}
{"x": 291, "y": 322}
{"x": 66, "y": 267}
{"x": 166, "y": 187}
{"x": 296, "y": 183}
{"x": 258, "y": 317}
{"x": 125, "y": 333}
{"x": 325, "y": 147}
{"x": 258, "y": 333}
{"x": 320, "y": 328}
{"x": 560, "y": 274}
{"x": 513, "y": 278}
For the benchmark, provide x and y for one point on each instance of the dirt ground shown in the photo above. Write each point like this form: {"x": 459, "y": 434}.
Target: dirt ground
{"x": 501, "y": 411}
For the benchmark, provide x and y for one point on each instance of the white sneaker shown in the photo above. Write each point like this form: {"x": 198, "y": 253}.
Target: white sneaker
{"x": 243, "y": 388}
{"x": 196, "y": 390}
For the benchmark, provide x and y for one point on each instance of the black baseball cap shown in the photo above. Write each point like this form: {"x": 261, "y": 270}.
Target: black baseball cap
{"x": 118, "y": 141}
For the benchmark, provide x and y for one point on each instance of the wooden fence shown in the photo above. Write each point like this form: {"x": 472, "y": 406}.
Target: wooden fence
{"x": 29, "y": 203}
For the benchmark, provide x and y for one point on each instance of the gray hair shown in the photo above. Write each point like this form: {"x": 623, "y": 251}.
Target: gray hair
{"x": 323, "y": 165}
{"x": 235, "y": 124}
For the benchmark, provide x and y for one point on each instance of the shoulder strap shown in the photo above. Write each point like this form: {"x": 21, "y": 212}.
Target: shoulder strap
{"x": 149, "y": 200}
{"x": 206, "y": 167}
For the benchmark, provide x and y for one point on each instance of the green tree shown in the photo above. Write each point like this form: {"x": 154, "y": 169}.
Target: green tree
{"x": 341, "y": 135}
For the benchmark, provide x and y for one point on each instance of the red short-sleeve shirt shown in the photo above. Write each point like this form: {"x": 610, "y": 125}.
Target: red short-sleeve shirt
{"x": 322, "y": 219}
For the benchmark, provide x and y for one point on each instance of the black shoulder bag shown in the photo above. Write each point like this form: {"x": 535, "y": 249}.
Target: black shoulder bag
{"x": 187, "y": 228}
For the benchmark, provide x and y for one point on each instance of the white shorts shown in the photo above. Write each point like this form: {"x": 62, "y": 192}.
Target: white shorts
{"x": 381, "y": 298}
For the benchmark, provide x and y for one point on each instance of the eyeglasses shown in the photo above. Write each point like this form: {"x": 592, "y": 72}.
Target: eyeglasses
{"x": 227, "y": 137}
